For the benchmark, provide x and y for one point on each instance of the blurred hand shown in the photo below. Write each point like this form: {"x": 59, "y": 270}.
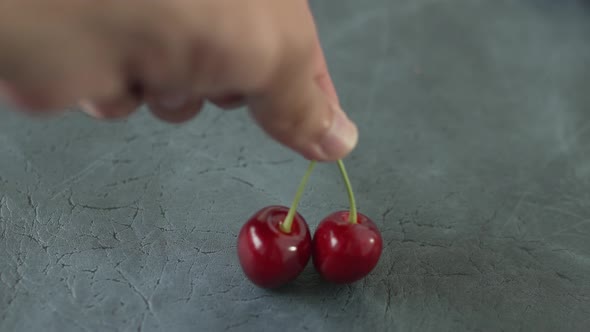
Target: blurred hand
{"x": 111, "y": 56}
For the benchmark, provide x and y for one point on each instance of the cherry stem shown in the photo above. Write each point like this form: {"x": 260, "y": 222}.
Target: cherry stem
{"x": 288, "y": 222}
{"x": 352, "y": 216}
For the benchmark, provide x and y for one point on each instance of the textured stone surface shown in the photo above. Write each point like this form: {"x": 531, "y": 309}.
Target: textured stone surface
{"x": 473, "y": 159}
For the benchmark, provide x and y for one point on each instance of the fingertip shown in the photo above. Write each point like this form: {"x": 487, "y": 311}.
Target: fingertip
{"x": 33, "y": 104}
{"x": 175, "y": 109}
{"x": 340, "y": 139}
{"x": 316, "y": 128}
{"x": 109, "y": 109}
{"x": 228, "y": 102}
{"x": 90, "y": 109}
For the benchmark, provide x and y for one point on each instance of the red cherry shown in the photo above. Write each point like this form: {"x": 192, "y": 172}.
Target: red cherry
{"x": 345, "y": 252}
{"x": 269, "y": 256}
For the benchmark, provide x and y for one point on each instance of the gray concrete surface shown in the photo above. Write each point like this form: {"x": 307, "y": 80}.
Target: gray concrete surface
{"x": 473, "y": 160}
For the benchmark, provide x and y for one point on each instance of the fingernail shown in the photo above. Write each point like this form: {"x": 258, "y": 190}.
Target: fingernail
{"x": 341, "y": 138}
{"x": 90, "y": 109}
{"x": 173, "y": 102}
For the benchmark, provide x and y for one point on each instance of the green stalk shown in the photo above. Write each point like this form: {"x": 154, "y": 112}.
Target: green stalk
{"x": 288, "y": 222}
{"x": 352, "y": 217}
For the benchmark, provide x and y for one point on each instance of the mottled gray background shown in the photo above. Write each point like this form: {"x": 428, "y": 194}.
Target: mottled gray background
{"x": 473, "y": 159}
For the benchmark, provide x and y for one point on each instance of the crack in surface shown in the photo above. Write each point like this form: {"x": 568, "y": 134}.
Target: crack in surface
{"x": 147, "y": 302}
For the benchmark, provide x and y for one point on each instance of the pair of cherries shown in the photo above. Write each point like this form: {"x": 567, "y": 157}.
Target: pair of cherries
{"x": 275, "y": 244}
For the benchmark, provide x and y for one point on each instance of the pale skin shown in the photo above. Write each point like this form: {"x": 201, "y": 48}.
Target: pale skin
{"x": 111, "y": 56}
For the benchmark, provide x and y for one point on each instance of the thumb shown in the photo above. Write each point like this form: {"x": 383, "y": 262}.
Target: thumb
{"x": 300, "y": 110}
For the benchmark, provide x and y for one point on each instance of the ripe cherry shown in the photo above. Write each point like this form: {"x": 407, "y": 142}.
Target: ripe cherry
{"x": 274, "y": 245}
{"x": 269, "y": 256}
{"x": 347, "y": 245}
{"x": 345, "y": 252}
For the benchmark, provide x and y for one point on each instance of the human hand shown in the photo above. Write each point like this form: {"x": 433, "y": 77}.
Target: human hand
{"x": 112, "y": 56}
